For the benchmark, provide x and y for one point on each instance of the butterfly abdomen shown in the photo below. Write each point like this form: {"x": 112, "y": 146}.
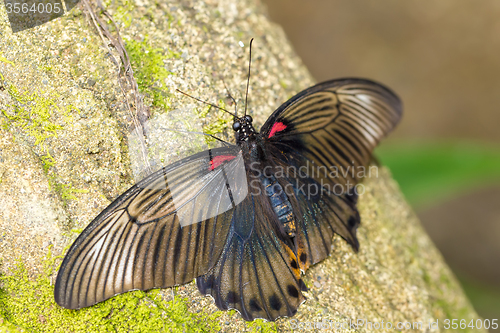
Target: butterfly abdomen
{"x": 280, "y": 204}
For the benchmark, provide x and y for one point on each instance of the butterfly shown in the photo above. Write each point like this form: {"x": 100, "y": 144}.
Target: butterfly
{"x": 245, "y": 219}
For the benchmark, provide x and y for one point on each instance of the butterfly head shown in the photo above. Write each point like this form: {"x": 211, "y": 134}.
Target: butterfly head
{"x": 243, "y": 128}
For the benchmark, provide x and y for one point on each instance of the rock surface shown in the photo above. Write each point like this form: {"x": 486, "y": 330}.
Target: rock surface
{"x": 66, "y": 152}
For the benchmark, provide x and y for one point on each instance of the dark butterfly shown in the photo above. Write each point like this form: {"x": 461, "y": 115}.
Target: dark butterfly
{"x": 244, "y": 219}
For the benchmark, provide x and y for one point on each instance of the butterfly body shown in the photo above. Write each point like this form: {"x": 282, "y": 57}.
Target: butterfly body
{"x": 243, "y": 220}
{"x": 261, "y": 173}
{"x": 280, "y": 204}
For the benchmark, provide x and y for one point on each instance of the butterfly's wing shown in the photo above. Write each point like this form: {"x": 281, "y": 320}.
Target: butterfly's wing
{"x": 257, "y": 273}
{"x": 166, "y": 230}
{"x": 192, "y": 218}
{"x": 324, "y": 137}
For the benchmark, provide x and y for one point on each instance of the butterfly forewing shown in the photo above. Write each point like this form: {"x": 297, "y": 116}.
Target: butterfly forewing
{"x": 139, "y": 241}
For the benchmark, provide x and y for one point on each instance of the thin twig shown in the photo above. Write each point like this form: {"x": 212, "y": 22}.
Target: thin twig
{"x": 141, "y": 113}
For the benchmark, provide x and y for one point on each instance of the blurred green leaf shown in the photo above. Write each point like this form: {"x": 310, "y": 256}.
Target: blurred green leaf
{"x": 430, "y": 172}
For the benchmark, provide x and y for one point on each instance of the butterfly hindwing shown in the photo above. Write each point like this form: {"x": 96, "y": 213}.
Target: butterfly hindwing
{"x": 257, "y": 272}
{"x": 166, "y": 230}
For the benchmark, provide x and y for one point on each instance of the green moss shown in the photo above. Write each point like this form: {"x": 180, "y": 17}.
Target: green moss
{"x": 6, "y": 327}
{"x": 124, "y": 12}
{"x": 4, "y": 60}
{"x": 217, "y": 126}
{"x": 28, "y": 304}
{"x": 34, "y": 114}
{"x": 149, "y": 70}
{"x": 45, "y": 68}
{"x": 66, "y": 191}
{"x": 259, "y": 325}
{"x": 170, "y": 19}
{"x": 204, "y": 112}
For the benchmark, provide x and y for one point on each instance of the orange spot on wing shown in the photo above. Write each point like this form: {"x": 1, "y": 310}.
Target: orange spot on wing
{"x": 292, "y": 261}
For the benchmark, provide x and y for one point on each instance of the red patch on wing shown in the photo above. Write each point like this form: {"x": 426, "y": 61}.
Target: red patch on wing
{"x": 277, "y": 127}
{"x": 218, "y": 160}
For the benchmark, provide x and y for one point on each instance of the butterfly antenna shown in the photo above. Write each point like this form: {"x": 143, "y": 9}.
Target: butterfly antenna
{"x": 207, "y": 103}
{"x": 231, "y": 96}
{"x": 248, "y": 79}
{"x": 193, "y": 132}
